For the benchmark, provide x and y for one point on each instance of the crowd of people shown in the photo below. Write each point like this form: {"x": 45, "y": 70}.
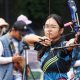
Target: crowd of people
{"x": 58, "y": 58}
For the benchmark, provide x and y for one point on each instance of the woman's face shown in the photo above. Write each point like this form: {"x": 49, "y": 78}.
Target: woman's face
{"x": 52, "y": 29}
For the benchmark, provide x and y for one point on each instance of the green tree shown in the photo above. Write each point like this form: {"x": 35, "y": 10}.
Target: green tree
{"x": 38, "y": 10}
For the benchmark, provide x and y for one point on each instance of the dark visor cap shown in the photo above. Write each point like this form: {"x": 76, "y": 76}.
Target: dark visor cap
{"x": 20, "y": 25}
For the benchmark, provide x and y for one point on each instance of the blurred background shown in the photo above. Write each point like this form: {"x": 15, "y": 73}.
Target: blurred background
{"x": 35, "y": 10}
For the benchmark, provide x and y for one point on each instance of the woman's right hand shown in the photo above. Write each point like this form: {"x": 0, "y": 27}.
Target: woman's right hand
{"x": 45, "y": 41}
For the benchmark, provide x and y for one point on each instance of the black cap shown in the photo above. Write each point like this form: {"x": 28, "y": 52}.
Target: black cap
{"x": 20, "y": 25}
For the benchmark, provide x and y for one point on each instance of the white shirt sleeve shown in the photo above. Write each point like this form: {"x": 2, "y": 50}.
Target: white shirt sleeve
{"x": 4, "y": 60}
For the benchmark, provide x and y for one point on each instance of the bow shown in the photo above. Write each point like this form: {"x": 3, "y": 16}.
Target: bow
{"x": 74, "y": 15}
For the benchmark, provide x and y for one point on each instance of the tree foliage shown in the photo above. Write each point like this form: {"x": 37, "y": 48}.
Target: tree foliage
{"x": 38, "y": 10}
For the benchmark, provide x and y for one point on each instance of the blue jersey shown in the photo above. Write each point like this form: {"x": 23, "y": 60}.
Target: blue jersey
{"x": 55, "y": 64}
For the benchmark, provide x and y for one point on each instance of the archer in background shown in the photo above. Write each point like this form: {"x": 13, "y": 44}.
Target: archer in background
{"x": 10, "y": 52}
{"x": 27, "y": 22}
{"x": 3, "y": 26}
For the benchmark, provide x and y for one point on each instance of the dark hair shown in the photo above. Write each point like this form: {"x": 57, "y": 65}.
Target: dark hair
{"x": 58, "y": 19}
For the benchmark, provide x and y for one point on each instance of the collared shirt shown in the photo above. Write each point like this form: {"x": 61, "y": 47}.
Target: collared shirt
{"x": 4, "y": 60}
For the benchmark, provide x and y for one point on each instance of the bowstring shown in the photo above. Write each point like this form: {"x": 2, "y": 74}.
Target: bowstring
{"x": 49, "y": 35}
